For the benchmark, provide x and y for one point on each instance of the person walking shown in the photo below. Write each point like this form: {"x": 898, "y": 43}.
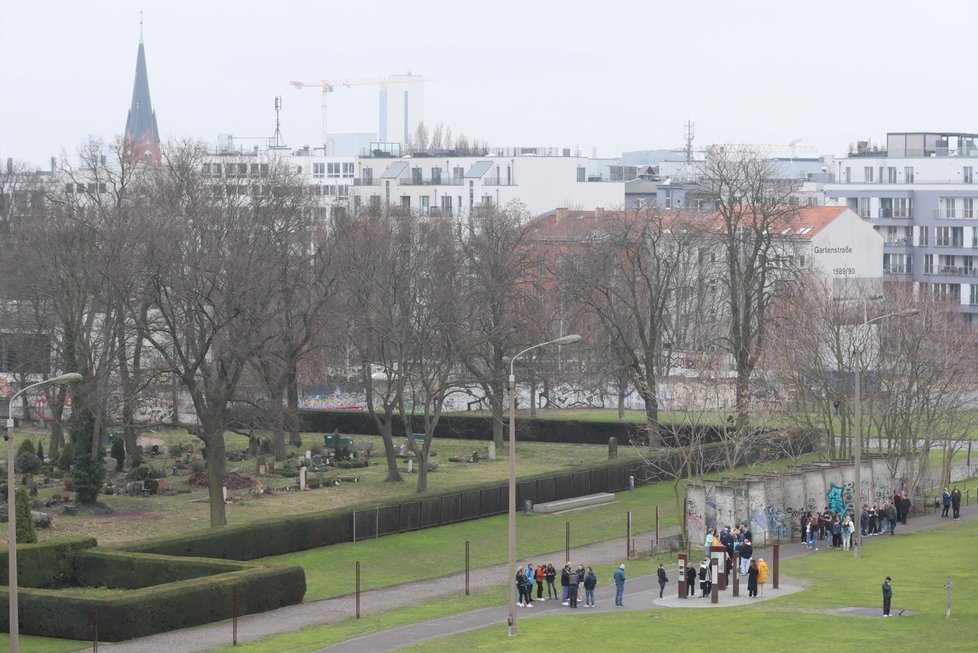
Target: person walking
{"x": 661, "y": 573}
{"x": 551, "y": 576}
{"x": 752, "y": 573}
{"x": 762, "y": 574}
{"x": 956, "y": 502}
{"x": 946, "y": 501}
{"x": 573, "y": 584}
{"x": 887, "y": 596}
{"x": 590, "y": 582}
{"x": 620, "y": 585}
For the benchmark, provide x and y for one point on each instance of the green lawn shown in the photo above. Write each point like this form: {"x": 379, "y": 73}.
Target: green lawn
{"x": 30, "y": 644}
{"x": 919, "y": 564}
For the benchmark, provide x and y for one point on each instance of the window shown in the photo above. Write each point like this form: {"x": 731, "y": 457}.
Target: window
{"x": 668, "y": 199}
{"x": 882, "y": 176}
{"x": 348, "y": 170}
{"x": 458, "y": 172}
{"x": 318, "y": 170}
{"x": 949, "y": 208}
{"x": 343, "y": 190}
{"x": 416, "y": 175}
{"x": 581, "y": 173}
{"x": 908, "y": 174}
{"x": 968, "y": 175}
{"x": 923, "y": 233}
{"x": 868, "y": 174}
{"x": 436, "y": 175}
{"x": 891, "y": 175}
{"x": 446, "y": 204}
{"x": 949, "y": 236}
{"x": 848, "y": 174}
{"x": 406, "y": 202}
{"x": 425, "y": 204}
{"x": 973, "y": 299}
{"x": 333, "y": 170}
{"x": 968, "y": 207}
{"x": 928, "y": 264}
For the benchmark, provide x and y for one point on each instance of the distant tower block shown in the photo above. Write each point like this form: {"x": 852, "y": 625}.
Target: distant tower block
{"x": 401, "y": 107}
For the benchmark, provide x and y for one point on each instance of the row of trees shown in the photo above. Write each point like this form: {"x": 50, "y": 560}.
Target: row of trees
{"x": 150, "y": 278}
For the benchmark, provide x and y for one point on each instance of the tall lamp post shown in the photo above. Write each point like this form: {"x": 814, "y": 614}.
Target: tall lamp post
{"x": 71, "y": 377}
{"x": 564, "y": 340}
{"x": 858, "y": 448}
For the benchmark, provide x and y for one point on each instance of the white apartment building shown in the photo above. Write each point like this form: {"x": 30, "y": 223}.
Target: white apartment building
{"x": 428, "y": 184}
{"x": 919, "y": 192}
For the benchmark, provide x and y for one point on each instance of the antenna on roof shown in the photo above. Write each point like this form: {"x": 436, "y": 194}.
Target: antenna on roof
{"x": 278, "y": 142}
{"x": 689, "y": 131}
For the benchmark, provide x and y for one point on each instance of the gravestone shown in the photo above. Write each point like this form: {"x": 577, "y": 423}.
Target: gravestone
{"x": 260, "y": 468}
{"x": 302, "y": 478}
{"x": 492, "y": 451}
{"x": 410, "y": 468}
{"x": 612, "y": 448}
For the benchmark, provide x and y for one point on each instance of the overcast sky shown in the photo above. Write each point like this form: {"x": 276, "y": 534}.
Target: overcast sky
{"x": 608, "y": 76}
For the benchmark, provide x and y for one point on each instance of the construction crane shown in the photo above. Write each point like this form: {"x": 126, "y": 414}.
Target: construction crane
{"x": 327, "y": 86}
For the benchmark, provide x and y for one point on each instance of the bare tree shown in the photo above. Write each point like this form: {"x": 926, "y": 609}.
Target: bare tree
{"x": 634, "y": 273}
{"x": 757, "y": 265}
{"x": 437, "y": 135}
{"x": 421, "y": 138}
{"x": 214, "y": 285}
{"x": 496, "y": 266}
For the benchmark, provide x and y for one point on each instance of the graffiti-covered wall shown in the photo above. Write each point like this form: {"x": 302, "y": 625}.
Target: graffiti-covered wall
{"x": 773, "y": 504}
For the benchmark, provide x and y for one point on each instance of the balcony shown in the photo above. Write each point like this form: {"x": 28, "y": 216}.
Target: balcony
{"x": 366, "y": 181}
{"x": 902, "y": 213}
{"x": 431, "y": 181}
{"x": 954, "y": 214}
{"x": 499, "y": 181}
{"x": 896, "y": 269}
{"x": 953, "y": 242}
{"x": 898, "y": 241}
{"x": 949, "y": 270}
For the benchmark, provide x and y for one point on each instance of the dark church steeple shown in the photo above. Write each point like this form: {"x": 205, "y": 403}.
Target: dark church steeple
{"x": 142, "y": 135}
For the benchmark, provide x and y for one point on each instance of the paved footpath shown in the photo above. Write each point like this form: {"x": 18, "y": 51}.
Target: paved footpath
{"x": 640, "y": 593}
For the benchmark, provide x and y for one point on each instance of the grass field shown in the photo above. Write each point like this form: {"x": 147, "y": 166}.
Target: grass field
{"x": 919, "y": 564}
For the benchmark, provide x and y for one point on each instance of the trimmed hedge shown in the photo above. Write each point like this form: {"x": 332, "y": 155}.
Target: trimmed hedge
{"x": 40, "y": 564}
{"x": 464, "y": 427}
{"x": 157, "y": 609}
{"x": 127, "y": 570}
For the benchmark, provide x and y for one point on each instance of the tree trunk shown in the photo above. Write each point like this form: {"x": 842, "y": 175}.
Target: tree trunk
{"x": 278, "y": 444}
{"x": 496, "y": 405}
{"x": 423, "y": 471}
{"x": 743, "y": 397}
{"x": 393, "y": 473}
{"x": 621, "y": 402}
{"x": 292, "y": 410}
{"x": 216, "y": 467}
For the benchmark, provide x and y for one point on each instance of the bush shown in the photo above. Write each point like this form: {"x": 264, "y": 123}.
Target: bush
{"x": 26, "y": 446}
{"x": 25, "y": 522}
{"x": 316, "y": 449}
{"x": 67, "y": 457}
{"x": 140, "y": 473}
{"x": 27, "y": 463}
{"x": 352, "y": 464}
{"x": 118, "y": 452}
{"x": 40, "y": 451}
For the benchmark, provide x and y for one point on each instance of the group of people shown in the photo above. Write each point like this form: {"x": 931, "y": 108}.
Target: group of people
{"x": 825, "y": 525}
{"x": 950, "y": 500}
{"x": 756, "y": 571}
{"x": 575, "y": 584}
{"x": 734, "y": 541}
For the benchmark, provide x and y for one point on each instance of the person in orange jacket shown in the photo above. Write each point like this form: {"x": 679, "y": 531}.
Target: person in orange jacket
{"x": 762, "y": 572}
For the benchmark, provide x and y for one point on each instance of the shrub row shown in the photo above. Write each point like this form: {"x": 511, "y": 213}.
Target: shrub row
{"x": 128, "y": 570}
{"x": 157, "y": 609}
{"x": 467, "y": 427}
{"x": 38, "y": 565}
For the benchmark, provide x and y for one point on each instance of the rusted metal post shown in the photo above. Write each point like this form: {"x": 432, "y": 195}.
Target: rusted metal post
{"x": 681, "y": 585}
{"x": 777, "y": 566}
{"x": 736, "y": 578}
{"x": 628, "y": 537}
{"x": 358, "y": 589}
{"x": 234, "y": 616}
{"x": 466, "y": 567}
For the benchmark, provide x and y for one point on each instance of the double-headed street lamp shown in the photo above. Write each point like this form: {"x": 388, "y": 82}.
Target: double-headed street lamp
{"x": 71, "y": 377}
{"x": 564, "y": 340}
{"x": 858, "y": 448}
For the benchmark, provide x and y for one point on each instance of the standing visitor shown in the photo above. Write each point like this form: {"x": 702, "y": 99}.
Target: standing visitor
{"x": 590, "y": 581}
{"x": 708, "y": 542}
{"x": 661, "y": 573}
{"x": 704, "y": 579}
{"x": 956, "y": 502}
{"x": 762, "y": 573}
{"x": 620, "y": 585}
{"x": 565, "y": 584}
{"x": 811, "y": 534}
{"x": 540, "y": 576}
{"x": 946, "y": 501}
{"x": 521, "y": 588}
{"x": 887, "y": 595}
{"x": 746, "y": 553}
{"x": 847, "y": 530}
{"x": 573, "y": 583}
{"x": 691, "y": 581}
{"x": 892, "y": 514}
{"x": 752, "y": 580}
{"x": 551, "y": 576}
{"x": 530, "y": 580}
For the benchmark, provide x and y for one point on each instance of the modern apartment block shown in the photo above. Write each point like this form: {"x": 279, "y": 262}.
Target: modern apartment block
{"x": 920, "y": 193}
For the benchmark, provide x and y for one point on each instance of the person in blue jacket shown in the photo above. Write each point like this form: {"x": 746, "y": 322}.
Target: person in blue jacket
{"x": 590, "y": 581}
{"x": 620, "y": 585}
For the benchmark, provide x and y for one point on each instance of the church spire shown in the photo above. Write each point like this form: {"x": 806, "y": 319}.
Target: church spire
{"x": 142, "y": 134}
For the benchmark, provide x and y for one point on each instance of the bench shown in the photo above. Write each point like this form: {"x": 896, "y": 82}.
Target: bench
{"x": 552, "y": 507}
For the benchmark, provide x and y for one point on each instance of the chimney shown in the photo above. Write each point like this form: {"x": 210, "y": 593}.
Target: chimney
{"x": 559, "y": 215}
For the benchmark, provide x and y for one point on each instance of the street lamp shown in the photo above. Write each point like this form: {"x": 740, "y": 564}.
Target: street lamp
{"x": 858, "y": 449}
{"x": 70, "y": 377}
{"x": 564, "y": 340}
